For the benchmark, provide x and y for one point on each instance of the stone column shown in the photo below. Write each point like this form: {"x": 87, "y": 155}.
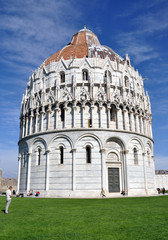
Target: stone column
{"x": 27, "y": 118}
{"x": 141, "y": 124}
{"x": 117, "y": 127}
{"x": 73, "y": 168}
{"x": 56, "y": 117}
{"x": 19, "y": 171}
{"x": 123, "y": 118}
{"x": 108, "y": 91}
{"x": 42, "y": 118}
{"x": 36, "y": 123}
{"x": 74, "y": 115}
{"x": 103, "y": 170}
{"x": 144, "y": 125}
{"x": 83, "y": 116}
{"x": 108, "y": 117}
{"x": 120, "y": 121}
{"x": 147, "y": 127}
{"x": 65, "y": 116}
{"x": 126, "y": 118}
{"x": 91, "y": 87}
{"x": 31, "y": 119}
{"x": 92, "y": 115}
{"x": 23, "y": 128}
{"x": 47, "y": 169}
{"x": 100, "y": 112}
{"x": 28, "y": 171}
{"x": 144, "y": 168}
{"x": 131, "y": 122}
{"x": 49, "y": 111}
{"x": 125, "y": 172}
{"x": 150, "y": 128}
{"x": 135, "y": 122}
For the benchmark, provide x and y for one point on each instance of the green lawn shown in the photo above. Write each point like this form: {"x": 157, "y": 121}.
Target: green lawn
{"x": 80, "y": 219}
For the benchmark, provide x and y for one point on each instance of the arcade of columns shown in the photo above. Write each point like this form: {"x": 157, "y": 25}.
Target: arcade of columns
{"x": 120, "y": 102}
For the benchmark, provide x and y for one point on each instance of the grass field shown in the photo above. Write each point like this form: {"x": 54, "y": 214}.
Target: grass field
{"x": 80, "y": 219}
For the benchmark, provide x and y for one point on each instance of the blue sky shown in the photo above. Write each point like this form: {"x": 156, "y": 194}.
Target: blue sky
{"x": 32, "y": 30}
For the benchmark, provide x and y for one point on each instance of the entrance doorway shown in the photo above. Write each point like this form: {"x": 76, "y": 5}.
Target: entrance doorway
{"x": 113, "y": 180}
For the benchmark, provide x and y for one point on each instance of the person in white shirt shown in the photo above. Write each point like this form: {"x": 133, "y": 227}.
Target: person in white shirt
{"x": 8, "y": 198}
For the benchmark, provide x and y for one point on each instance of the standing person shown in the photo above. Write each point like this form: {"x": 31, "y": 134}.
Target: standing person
{"x": 8, "y": 198}
{"x": 102, "y": 193}
{"x": 163, "y": 190}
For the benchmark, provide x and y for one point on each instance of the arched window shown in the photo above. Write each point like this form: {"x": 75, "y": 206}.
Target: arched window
{"x": 62, "y": 115}
{"x": 126, "y": 81}
{"x": 88, "y": 154}
{"x": 61, "y": 155}
{"x": 113, "y": 113}
{"x": 107, "y": 76}
{"x": 38, "y": 156}
{"x": 135, "y": 156}
{"x": 62, "y": 77}
{"x": 85, "y": 75}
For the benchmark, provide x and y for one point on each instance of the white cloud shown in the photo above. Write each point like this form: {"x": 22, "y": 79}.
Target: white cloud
{"x": 136, "y": 47}
{"x": 31, "y": 31}
{"x": 142, "y": 6}
{"x": 152, "y": 20}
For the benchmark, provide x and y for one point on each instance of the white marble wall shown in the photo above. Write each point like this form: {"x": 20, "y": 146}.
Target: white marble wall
{"x": 161, "y": 181}
{"x": 41, "y": 127}
{"x": 76, "y": 176}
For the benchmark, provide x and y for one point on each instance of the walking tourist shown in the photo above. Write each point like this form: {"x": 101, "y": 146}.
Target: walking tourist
{"x": 8, "y": 198}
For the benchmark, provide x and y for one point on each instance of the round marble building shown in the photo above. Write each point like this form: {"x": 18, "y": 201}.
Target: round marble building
{"x": 85, "y": 124}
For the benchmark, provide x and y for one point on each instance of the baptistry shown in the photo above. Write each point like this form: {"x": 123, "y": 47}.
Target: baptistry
{"x": 86, "y": 125}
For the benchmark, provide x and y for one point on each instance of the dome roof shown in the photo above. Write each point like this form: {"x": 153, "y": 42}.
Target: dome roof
{"x": 84, "y": 44}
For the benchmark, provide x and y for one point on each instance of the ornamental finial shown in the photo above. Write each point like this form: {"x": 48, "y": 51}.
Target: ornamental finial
{"x": 84, "y": 26}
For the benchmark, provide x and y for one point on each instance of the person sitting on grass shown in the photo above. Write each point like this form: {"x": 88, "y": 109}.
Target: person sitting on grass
{"x": 37, "y": 194}
{"x": 30, "y": 193}
{"x": 123, "y": 192}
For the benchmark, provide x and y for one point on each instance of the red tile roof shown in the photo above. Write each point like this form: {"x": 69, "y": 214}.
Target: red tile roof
{"x": 84, "y": 43}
